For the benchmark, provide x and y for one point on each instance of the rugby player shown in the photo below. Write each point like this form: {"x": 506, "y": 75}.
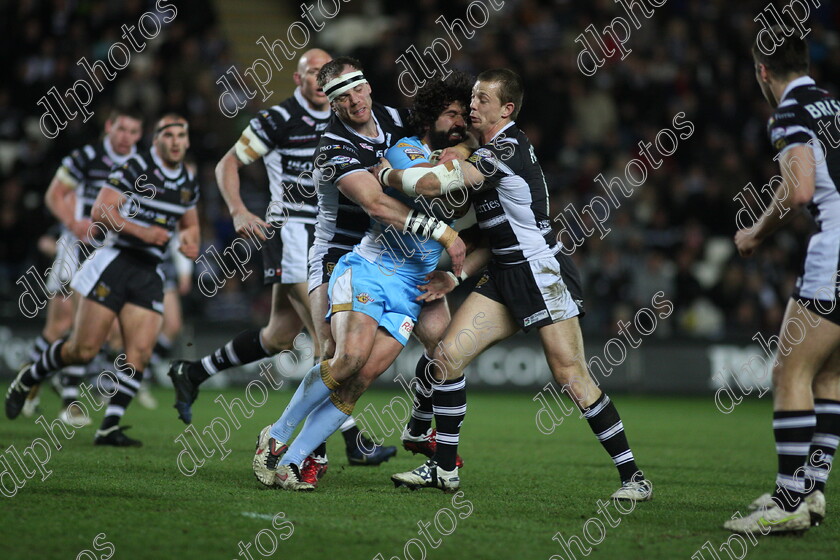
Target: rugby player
{"x": 348, "y": 197}
{"x": 529, "y": 284}
{"x": 806, "y": 393}
{"x": 144, "y": 200}
{"x": 284, "y": 137}
{"x": 70, "y": 199}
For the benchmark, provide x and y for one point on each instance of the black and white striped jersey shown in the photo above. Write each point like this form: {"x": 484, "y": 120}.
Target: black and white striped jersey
{"x": 157, "y": 196}
{"x": 291, "y": 131}
{"x": 512, "y": 207}
{"x": 87, "y": 170}
{"x": 341, "y": 222}
{"x": 807, "y": 113}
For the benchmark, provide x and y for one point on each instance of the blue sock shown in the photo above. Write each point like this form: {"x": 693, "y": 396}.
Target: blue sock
{"x": 320, "y": 425}
{"x": 311, "y": 392}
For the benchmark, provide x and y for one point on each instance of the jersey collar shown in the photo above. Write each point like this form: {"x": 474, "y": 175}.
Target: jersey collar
{"x": 798, "y": 82}
{"x": 507, "y": 126}
{"x": 378, "y": 139}
{"x": 325, "y": 114}
{"x": 169, "y": 173}
{"x": 115, "y": 157}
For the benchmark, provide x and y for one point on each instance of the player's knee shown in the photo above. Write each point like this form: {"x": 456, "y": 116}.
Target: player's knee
{"x": 82, "y": 352}
{"x": 826, "y": 384}
{"x": 347, "y": 363}
{"x": 276, "y": 340}
{"x": 781, "y": 376}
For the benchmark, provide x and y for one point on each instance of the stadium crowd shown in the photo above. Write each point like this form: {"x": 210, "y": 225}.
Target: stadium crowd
{"x": 673, "y": 234}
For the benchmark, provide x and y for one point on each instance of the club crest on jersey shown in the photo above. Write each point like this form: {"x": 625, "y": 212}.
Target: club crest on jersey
{"x": 101, "y": 291}
{"x": 364, "y": 298}
{"x": 479, "y": 154}
{"x": 330, "y": 268}
{"x": 186, "y": 196}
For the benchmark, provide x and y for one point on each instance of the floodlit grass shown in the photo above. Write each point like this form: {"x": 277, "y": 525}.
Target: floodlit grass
{"x": 520, "y": 488}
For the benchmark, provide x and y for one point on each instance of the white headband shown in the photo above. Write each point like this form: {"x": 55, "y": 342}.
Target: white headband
{"x": 339, "y": 85}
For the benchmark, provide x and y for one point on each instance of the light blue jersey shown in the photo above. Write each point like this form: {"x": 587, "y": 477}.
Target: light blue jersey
{"x": 380, "y": 277}
{"x": 393, "y": 251}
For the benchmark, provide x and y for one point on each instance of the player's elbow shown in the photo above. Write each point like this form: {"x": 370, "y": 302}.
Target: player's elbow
{"x": 802, "y": 194}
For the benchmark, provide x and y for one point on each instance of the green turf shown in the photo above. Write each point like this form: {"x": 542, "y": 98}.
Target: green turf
{"x": 523, "y": 487}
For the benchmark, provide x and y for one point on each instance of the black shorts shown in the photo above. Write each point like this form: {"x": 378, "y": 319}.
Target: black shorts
{"x": 827, "y": 309}
{"x": 285, "y": 254}
{"x": 114, "y": 277}
{"x": 537, "y": 293}
{"x": 322, "y": 260}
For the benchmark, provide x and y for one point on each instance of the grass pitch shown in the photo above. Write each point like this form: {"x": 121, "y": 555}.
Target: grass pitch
{"x": 520, "y": 488}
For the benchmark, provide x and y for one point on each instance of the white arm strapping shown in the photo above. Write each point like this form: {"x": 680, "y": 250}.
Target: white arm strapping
{"x": 249, "y": 147}
{"x": 449, "y": 176}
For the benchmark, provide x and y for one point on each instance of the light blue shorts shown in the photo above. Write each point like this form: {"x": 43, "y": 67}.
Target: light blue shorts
{"x": 359, "y": 285}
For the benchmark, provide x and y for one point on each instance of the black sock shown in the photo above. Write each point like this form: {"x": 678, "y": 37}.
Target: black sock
{"x": 243, "y": 349}
{"x": 49, "y": 363}
{"x": 823, "y": 444}
{"x": 350, "y": 435}
{"x": 128, "y": 381}
{"x": 450, "y": 406}
{"x": 793, "y": 430}
{"x": 607, "y": 426}
{"x": 321, "y": 450}
{"x": 421, "y": 412}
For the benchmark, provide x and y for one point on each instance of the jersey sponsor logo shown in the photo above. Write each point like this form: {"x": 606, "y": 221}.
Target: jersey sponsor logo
{"x": 320, "y": 127}
{"x": 366, "y": 146}
{"x": 298, "y": 165}
{"x": 364, "y": 298}
{"x": 271, "y": 273}
{"x": 414, "y": 153}
{"x": 406, "y": 326}
{"x": 488, "y": 205}
{"x": 343, "y": 161}
{"x": 538, "y": 316}
{"x": 331, "y": 147}
{"x": 308, "y": 120}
